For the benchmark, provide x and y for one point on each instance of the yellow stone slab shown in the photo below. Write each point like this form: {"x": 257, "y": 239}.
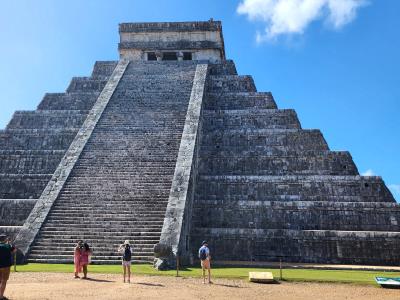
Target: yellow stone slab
{"x": 261, "y": 277}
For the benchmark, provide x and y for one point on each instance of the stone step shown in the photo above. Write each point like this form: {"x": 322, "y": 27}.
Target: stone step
{"x": 47, "y": 119}
{"x": 236, "y": 101}
{"x": 94, "y": 205}
{"x": 316, "y": 246}
{"x": 106, "y": 260}
{"x": 150, "y": 192}
{"x": 94, "y": 261}
{"x": 69, "y": 258}
{"x": 230, "y": 83}
{"x": 297, "y": 215}
{"x": 103, "y": 69}
{"x": 104, "y": 203}
{"x": 46, "y": 243}
{"x": 114, "y": 200}
{"x": 36, "y": 139}
{"x": 132, "y": 213}
{"x": 141, "y": 157}
{"x": 74, "y": 101}
{"x": 162, "y": 168}
{"x": 290, "y": 139}
{"x": 274, "y": 151}
{"x": 106, "y": 216}
{"x": 68, "y": 246}
{"x": 142, "y": 173}
{"x": 13, "y": 212}
{"x": 57, "y": 218}
{"x": 98, "y": 251}
{"x": 22, "y": 186}
{"x": 29, "y": 162}
{"x": 98, "y": 220}
{"x": 155, "y": 67}
{"x": 86, "y": 84}
{"x": 99, "y": 239}
{"x": 10, "y": 231}
{"x": 104, "y": 231}
{"x": 226, "y": 67}
{"x": 92, "y": 225}
{"x": 323, "y": 163}
{"x": 218, "y": 120}
{"x": 298, "y": 188}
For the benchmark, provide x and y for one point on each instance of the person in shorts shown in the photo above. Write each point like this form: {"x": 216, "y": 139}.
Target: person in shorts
{"x": 126, "y": 250}
{"x": 6, "y": 251}
{"x": 205, "y": 259}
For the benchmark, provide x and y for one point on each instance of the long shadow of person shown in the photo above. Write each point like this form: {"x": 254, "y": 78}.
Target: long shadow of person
{"x": 150, "y": 284}
{"x": 229, "y": 285}
{"x": 98, "y": 280}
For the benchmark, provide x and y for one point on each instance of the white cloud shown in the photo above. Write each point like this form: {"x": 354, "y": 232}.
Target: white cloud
{"x": 369, "y": 172}
{"x": 294, "y": 16}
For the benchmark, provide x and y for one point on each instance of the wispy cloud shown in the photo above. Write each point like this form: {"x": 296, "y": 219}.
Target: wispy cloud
{"x": 369, "y": 172}
{"x": 294, "y": 16}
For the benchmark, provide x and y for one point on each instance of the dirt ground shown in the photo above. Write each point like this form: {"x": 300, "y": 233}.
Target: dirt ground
{"x": 101, "y": 286}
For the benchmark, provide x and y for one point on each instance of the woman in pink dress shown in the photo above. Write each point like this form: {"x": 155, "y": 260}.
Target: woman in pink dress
{"x": 85, "y": 259}
{"x": 77, "y": 258}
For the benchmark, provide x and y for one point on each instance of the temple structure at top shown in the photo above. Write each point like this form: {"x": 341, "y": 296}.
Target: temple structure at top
{"x": 172, "y": 41}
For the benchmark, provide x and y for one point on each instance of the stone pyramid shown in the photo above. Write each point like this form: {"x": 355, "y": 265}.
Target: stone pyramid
{"x": 169, "y": 146}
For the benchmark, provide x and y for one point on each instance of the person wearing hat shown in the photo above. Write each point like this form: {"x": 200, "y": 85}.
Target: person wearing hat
{"x": 126, "y": 250}
{"x": 205, "y": 258}
{"x": 6, "y": 251}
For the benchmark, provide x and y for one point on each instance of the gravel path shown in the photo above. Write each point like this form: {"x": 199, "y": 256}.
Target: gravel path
{"x": 107, "y": 286}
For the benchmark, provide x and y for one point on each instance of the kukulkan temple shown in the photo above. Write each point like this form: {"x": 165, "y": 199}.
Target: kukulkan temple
{"x": 168, "y": 146}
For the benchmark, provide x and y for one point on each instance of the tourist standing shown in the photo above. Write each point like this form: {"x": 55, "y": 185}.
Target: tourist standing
{"x": 205, "y": 258}
{"x": 77, "y": 258}
{"x": 6, "y": 251}
{"x": 126, "y": 250}
{"x": 85, "y": 259}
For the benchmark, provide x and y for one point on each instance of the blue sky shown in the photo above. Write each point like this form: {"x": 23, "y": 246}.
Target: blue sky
{"x": 339, "y": 67}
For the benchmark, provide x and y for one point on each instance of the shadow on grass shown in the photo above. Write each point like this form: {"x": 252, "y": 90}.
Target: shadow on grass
{"x": 184, "y": 268}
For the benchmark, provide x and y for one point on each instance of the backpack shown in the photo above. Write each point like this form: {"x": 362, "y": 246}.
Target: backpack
{"x": 203, "y": 254}
{"x": 127, "y": 253}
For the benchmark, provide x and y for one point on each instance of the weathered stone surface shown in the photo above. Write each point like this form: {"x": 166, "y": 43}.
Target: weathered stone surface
{"x": 202, "y": 39}
{"x": 42, "y": 207}
{"x": 178, "y": 214}
{"x": 314, "y": 246}
{"x": 268, "y": 189}
{"x": 13, "y": 212}
{"x": 120, "y": 184}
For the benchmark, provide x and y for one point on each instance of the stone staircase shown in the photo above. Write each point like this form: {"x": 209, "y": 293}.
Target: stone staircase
{"x": 118, "y": 189}
{"x": 268, "y": 189}
{"x": 33, "y": 143}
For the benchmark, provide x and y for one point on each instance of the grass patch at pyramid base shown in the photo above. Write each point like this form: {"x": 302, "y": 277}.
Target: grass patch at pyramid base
{"x": 301, "y": 275}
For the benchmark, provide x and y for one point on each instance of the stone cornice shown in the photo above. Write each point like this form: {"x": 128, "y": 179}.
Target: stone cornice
{"x": 170, "y": 26}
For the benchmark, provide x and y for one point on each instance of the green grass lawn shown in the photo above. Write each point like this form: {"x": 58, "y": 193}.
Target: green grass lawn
{"x": 341, "y": 276}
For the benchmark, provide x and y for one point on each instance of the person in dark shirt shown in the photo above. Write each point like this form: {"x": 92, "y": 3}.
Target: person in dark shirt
{"x": 6, "y": 251}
